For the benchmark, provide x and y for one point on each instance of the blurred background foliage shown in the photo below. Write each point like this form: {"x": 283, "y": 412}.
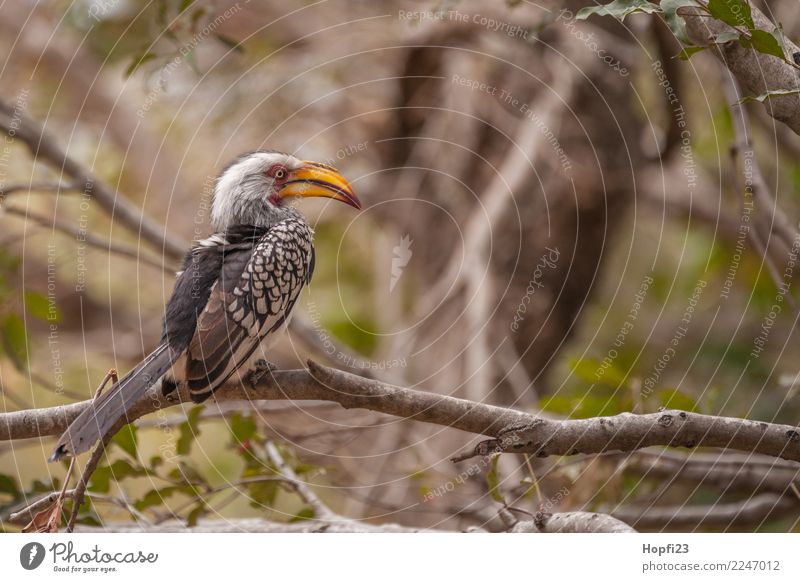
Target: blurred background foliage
{"x": 156, "y": 96}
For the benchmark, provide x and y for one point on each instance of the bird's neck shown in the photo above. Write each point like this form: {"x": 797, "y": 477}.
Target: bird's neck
{"x": 263, "y": 215}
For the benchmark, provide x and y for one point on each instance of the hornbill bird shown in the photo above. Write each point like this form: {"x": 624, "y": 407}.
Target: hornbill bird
{"x": 236, "y": 288}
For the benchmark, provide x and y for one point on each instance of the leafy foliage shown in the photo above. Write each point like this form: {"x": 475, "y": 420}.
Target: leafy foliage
{"x": 493, "y": 481}
{"x": 189, "y": 431}
{"x": 735, "y": 13}
{"x": 619, "y": 9}
{"x": 184, "y": 25}
{"x": 732, "y": 12}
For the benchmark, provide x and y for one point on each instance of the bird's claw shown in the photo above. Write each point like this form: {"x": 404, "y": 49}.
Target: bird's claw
{"x": 261, "y": 369}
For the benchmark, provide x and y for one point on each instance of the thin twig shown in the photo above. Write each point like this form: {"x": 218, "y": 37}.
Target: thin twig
{"x": 35, "y": 187}
{"x": 45, "y": 149}
{"x": 321, "y": 511}
{"x": 94, "y": 460}
{"x": 80, "y": 489}
{"x": 89, "y": 238}
{"x": 28, "y": 512}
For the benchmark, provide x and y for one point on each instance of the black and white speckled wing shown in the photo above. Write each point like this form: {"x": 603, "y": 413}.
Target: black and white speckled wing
{"x": 252, "y": 298}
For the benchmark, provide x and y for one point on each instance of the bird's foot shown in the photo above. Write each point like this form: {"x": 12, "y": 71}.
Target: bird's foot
{"x": 261, "y": 369}
{"x": 168, "y": 385}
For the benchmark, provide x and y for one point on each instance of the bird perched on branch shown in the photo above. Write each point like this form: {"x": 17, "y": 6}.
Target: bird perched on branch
{"x": 236, "y": 288}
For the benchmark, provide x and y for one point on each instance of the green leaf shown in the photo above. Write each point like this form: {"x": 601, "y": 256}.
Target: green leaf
{"x": 126, "y": 439}
{"x": 732, "y": 12}
{"x": 675, "y": 22}
{"x": 230, "y": 43}
{"x": 619, "y": 9}
{"x": 493, "y": 481}
{"x": 726, "y": 36}
{"x": 9, "y": 485}
{"x": 199, "y": 510}
{"x": 187, "y": 474}
{"x": 688, "y": 51}
{"x": 263, "y": 494}
{"x": 138, "y": 62}
{"x": 118, "y": 470}
{"x": 242, "y": 427}
{"x": 39, "y": 306}
{"x": 184, "y": 5}
{"x": 763, "y": 42}
{"x": 764, "y": 96}
{"x": 15, "y": 339}
{"x": 189, "y": 431}
{"x": 156, "y": 497}
{"x": 303, "y": 515}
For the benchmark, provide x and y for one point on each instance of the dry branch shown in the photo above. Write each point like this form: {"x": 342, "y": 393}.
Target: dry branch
{"x": 750, "y": 512}
{"x": 517, "y": 431}
{"x": 745, "y": 473}
{"x": 573, "y": 522}
{"x": 45, "y": 149}
{"x": 88, "y": 238}
{"x": 252, "y": 525}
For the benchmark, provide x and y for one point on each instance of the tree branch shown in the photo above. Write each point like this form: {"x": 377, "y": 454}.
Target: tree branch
{"x": 517, "y": 432}
{"x": 756, "y": 72}
{"x": 746, "y": 473}
{"x": 572, "y": 522}
{"x": 253, "y": 525}
{"x": 90, "y": 239}
{"x": 629, "y": 432}
{"x": 752, "y": 511}
{"x": 44, "y": 148}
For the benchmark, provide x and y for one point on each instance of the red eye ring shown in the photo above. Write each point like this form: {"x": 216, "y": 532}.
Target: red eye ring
{"x": 278, "y": 172}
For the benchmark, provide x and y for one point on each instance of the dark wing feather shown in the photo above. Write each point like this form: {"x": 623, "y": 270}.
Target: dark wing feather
{"x": 253, "y": 296}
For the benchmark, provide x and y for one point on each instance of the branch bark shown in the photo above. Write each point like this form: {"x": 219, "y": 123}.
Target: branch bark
{"x": 756, "y": 72}
{"x": 252, "y": 525}
{"x": 572, "y": 522}
{"x": 515, "y": 431}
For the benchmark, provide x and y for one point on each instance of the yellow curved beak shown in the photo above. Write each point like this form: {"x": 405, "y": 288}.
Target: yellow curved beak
{"x": 315, "y": 179}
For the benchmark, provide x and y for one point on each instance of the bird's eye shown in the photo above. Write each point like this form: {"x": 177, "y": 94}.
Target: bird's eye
{"x": 280, "y": 173}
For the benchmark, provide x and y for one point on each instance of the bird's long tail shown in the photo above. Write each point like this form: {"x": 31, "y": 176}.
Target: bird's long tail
{"x": 96, "y": 420}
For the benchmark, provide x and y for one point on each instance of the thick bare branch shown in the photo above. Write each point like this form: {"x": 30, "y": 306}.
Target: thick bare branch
{"x": 253, "y": 525}
{"x": 628, "y": 432}
{"x": 518, "y": 432}
{"x": 573, "y": 522}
